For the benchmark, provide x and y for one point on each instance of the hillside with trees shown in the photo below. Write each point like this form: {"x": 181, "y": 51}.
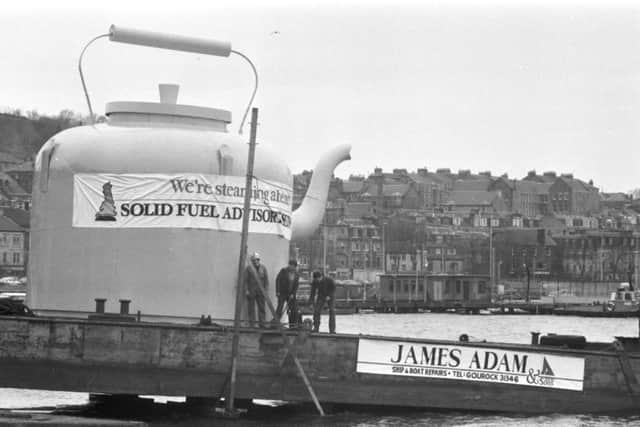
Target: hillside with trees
{"x": 22, "y": 134}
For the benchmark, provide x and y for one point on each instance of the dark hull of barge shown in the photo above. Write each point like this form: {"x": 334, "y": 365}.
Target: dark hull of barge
{"x": 179, "y": 360}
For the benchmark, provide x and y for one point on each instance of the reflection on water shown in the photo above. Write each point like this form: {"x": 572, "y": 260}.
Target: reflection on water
{"x": 504, "y": 328}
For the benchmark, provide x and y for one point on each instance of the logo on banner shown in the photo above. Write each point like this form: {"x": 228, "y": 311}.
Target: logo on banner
{"x": 107, "y": 210}
{"x": 543, "y": 377}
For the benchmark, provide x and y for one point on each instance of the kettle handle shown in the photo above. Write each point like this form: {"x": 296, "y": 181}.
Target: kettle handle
{"x": 171, "y": 42}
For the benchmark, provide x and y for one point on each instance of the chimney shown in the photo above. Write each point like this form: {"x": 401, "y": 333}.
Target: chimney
{"x": 531, "y": 174}
{"x": 567, "y": 175}
{"x": 443, "y": 171}
{"x": 464, "y": 173}
{"x": 378, "y": 179}
{"x": 423, "y": 171}
{"x": 505, "y": 175}
{"x": 400, "y": 172}
{"x": 485, "y": 173}
{"x": 549, "y": 174}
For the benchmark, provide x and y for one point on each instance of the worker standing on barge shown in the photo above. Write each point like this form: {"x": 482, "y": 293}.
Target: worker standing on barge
{"x": 287, "y": 283}
{"x": 325, "y": 288}
{"x": 256, "y": 275}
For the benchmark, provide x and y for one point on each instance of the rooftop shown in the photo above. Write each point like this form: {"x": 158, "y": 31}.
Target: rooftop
{"x": 6, "y": 224}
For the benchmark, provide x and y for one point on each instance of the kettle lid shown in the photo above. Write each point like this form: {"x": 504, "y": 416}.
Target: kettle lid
{"x": 168, "y": 107}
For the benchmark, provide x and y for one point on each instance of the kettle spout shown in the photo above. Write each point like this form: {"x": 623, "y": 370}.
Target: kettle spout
{"x": 307, "y": 217}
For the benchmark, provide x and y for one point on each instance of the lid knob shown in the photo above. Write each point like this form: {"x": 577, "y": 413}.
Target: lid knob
{"x": 168, "y": 93}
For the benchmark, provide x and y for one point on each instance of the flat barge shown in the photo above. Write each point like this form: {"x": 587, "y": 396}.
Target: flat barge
{"x": 138, "y": 358}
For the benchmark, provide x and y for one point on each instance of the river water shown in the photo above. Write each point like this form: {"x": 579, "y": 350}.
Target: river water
{"x": 501, "y": 328}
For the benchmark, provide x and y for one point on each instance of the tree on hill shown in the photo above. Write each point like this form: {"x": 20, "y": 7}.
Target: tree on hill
{"x": 22, "y": 134}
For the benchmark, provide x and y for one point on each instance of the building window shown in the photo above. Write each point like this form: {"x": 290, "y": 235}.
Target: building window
{"x": 451, "y": 251}
{"x": 391, "y": 287}
{"x": 16, "y": 258}
{"x": 458, "y": 286}
{"x": 16, "y": 241}
{"x": 466, "y": 284}
{"x": 482, "y": 287}
{"x": 5, "y": 258}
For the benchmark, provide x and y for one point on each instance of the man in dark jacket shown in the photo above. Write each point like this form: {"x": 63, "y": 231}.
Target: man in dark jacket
{"x": 255, "y": 275}
{"x": 286, "y": 288}
{"x": 325, "y": 288}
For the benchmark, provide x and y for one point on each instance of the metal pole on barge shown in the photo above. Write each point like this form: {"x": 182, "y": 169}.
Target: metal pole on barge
{"x": 492, "y": 283}
{"x": 229, "y": 400}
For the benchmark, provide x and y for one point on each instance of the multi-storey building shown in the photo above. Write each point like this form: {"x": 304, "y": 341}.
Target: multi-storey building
{"x": 519, "y": 253}
{"x": 433, "y": 189}
{"x": 423, "y": 247}
{"x": 568, "y": 195}
{"x": 596, "y": 255}
{"x": 528, "y": 198}
{"x": 350, "y": 248}
{"x": 12, "y": 247}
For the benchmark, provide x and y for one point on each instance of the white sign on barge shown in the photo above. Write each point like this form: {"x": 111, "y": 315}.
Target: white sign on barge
{"x": 467, "y": 363}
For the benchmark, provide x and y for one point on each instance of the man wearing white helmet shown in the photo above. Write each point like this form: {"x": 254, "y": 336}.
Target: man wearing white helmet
{"x": 255, "y": 275}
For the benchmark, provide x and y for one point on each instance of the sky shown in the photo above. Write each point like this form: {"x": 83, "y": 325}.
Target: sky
{"x": 550, "y": 86}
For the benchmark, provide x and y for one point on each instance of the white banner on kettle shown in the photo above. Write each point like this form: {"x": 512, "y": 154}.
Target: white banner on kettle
{"x": 212, "y": 202}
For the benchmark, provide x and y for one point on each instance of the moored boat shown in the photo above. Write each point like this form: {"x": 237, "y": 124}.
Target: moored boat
{"x": 624, "y": 302}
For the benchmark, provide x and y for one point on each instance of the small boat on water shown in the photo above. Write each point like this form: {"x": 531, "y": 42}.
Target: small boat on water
{"x": 624, "y": 302}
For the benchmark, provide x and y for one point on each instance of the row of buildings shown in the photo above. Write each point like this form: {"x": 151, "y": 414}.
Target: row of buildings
{"x": 532, "y": 196}
{"x": 16, "y": 178}
{"x": 548, "y": 226}
{"x": 545, "y": 225}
